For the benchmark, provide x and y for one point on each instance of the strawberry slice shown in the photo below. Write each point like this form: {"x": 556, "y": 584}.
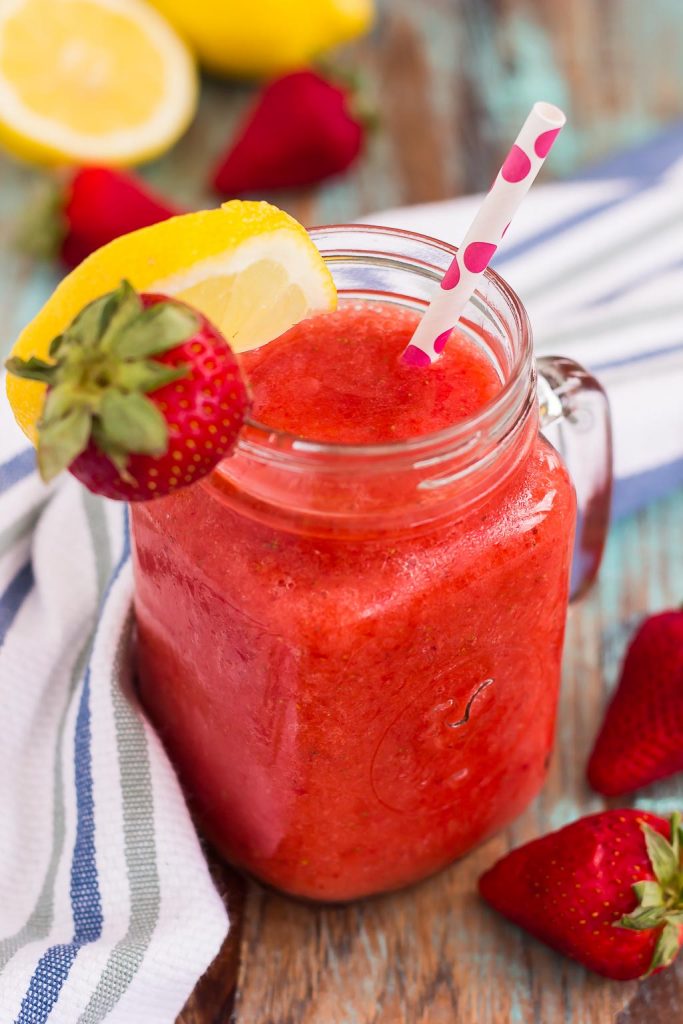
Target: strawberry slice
{"x": 606, "y": 890}
{"x": 144, "y": 396}
{"x": 641, "y": 739}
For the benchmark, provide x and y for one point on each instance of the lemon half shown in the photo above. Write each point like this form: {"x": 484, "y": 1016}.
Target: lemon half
{"x": 240, "y": 37}
{"x": 249, "y": 267}
{"x": 91, "y": 81}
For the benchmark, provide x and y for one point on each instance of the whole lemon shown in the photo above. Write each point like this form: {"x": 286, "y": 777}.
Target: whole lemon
{"x": 265, "y": 37}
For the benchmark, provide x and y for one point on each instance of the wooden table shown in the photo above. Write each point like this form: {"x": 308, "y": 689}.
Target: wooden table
{"x": 434, "y": 954}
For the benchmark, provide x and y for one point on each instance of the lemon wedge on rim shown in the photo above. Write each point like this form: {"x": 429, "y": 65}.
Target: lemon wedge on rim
{"x": 91, "y": 81}
{"x": 249, "y": 267}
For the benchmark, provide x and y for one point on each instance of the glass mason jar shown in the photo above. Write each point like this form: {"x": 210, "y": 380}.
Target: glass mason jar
{"x": 352, "y": 653}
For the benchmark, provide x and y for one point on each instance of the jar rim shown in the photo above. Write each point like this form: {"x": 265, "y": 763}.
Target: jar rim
{"x": 257, "y": 435}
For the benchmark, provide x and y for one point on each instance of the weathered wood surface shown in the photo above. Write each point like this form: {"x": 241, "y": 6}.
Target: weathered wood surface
{"x": 449, "y": 78}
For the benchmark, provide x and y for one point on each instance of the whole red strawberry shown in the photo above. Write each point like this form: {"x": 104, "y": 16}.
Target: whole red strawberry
{"x": 94, "y": 206}
{"x": 301, "y": 131}
{"x": 641, "y": 739}
{"x": 606, "y": 891}
{"x": 144, "y": 397}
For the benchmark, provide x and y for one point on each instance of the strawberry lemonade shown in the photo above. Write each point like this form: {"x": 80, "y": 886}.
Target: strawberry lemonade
{"x": 349, "y": 635}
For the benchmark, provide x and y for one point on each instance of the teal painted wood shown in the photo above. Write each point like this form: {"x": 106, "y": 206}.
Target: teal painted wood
{"x": 614, "y": 67}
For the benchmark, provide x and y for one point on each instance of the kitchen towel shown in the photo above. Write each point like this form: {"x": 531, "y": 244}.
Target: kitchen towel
{"x": 107, "y": 909}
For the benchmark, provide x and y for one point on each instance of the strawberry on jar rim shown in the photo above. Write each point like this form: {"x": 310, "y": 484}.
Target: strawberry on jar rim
{"x": 606, "y": 890}
{"x": 144, "y": 396}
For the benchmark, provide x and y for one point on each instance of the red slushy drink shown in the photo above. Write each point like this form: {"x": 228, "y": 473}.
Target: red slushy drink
{"x": 350, "y": 639}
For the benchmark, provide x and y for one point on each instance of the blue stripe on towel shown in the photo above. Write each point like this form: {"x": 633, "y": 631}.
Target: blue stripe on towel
{"x": 631, "y": 493}
{"x": 650, "y": 159}
{"x": 13, "y": 598}
{"x": 54, "y": 966}
{"x": 17, "y": 468}
{"x": 86, "y": 903}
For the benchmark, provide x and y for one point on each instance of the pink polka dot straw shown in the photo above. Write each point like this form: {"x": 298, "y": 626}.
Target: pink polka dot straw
{"x": 512, "y": 183}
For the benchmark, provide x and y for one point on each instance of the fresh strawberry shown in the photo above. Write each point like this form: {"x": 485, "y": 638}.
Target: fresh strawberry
{"x": 99, "y": 422}
{"x": 641, "y": 739}
{"x": 606, "y": 890}
{"x": 93, "y": 207}
{"x": 301, "y": 131}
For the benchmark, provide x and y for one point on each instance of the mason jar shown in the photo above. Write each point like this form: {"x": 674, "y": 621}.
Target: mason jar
{"x": 352, "y": 653}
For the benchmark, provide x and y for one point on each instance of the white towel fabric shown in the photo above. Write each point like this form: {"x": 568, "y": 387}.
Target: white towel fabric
{"x": 107, "y": 909}
{"x": 599, "y": 267}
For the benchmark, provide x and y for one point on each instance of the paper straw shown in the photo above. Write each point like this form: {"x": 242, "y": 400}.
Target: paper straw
{"x": 512, "y": 183}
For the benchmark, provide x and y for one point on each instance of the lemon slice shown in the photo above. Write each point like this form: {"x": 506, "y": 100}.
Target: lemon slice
{"x": 249, "y": 267}
{"x": 91, "y": 81}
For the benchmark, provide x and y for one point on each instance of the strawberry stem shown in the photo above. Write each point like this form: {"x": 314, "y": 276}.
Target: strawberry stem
{"x": 660, "y": 902}
{"x": 104, "y": 367}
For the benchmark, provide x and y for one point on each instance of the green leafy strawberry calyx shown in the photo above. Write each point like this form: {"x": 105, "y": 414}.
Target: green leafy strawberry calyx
{"x": 103, "y": 367}
{"x": 660, "y": 901}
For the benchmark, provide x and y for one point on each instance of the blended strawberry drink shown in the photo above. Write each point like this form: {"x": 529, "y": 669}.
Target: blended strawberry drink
{"x": 350, "y": 634}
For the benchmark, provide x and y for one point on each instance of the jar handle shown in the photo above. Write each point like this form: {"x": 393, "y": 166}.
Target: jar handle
{"x": 575, "y": 418}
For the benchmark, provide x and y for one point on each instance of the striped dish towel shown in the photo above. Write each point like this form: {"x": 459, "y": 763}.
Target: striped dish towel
{"x": 107, "y": 909}
{"x": 598, "y": 263}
